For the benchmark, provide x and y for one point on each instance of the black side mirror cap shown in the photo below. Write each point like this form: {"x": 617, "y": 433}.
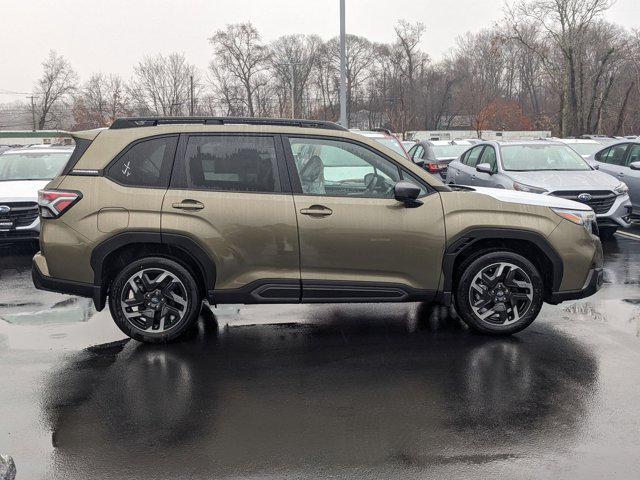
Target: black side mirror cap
{"x": 407, "y": 193}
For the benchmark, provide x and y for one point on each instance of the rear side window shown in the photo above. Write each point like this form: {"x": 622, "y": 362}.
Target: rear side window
{"x": 146, "y": 163}
{"x": 230, "y": 163}
{"x": 613, "y": 155}
{"x": 471, "y": 157}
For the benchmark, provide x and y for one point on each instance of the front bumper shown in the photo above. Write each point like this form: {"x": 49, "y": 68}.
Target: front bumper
{"x": 19, "y": 234}
{"x": 619, "y": 215}
{"x": 591, "y": 286}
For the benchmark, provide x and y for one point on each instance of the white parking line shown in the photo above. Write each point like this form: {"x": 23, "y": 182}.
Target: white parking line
{"x": 629, "y": 235}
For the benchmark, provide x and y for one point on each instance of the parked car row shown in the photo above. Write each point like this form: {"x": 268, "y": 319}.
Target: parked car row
{"x": 24, "y": 171}
{"x": 608, "y": 180}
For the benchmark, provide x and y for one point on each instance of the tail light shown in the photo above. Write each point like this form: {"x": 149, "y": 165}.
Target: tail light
{"x": 433, "y": 167}
{"x": 53, "y": 203}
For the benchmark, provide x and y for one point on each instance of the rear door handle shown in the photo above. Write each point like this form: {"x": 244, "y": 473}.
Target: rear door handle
{"x": 188, "y": 204}
{"x": 316, "y": 211}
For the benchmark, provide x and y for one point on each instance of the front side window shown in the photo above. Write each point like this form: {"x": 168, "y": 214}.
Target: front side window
{"x": 417, "y": 154}
{"x": 634, "y": 154}
{"x": 538, "y": 157}
{"x": 146, "y": 163}
{"x": 613, "y": 155}
{"x": 231, "y": 163}
{"x": 337, "y": 168}
{"x": 489, "y": 156}
{"x": 32, "y": 165}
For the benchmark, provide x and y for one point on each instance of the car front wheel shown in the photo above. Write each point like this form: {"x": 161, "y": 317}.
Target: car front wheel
{"x": 154, "y": 300}
{"x": 499, "y": 293}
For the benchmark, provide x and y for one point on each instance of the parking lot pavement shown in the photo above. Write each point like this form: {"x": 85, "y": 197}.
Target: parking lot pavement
{"x": 380, "y": 391}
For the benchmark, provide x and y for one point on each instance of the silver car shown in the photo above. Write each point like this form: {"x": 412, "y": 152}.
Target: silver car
{"x": 549, "y": 168}
{"x": 622, "y": 160}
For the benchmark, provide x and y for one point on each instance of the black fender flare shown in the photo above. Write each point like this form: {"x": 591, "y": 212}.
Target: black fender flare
{"x": 472, "y": 235}
{"x": 189, "y": 246}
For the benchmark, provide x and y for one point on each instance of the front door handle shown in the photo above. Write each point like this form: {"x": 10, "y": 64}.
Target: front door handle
{"x": 316, "y": 211}
{"x": 188, "y": 204}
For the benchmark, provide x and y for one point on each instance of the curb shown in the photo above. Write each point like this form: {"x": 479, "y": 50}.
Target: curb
{"x": 7, "y": 468}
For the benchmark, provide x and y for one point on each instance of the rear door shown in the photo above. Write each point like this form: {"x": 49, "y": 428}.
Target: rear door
{"x": 356, "y": 241}
{"x": 231, "y": 194}
{"x": 612, "y": 160}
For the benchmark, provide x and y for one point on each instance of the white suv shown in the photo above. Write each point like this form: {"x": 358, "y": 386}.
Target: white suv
{"x": 24, "y": 171}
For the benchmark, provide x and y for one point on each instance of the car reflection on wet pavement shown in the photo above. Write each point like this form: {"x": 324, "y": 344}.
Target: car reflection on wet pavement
{"x": 345, "y": 391}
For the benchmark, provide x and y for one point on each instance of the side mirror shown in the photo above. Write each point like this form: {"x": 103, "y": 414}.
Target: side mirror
{"x": 594, "y": 165}
{"x": 419, "y": 162}
{"x": 407, "y": 193}
{"x": 485, "y": 168}
{"x": 634, "y": 165}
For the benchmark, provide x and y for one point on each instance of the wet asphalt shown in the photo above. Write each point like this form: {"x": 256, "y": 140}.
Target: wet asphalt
{"x": 322, "y": 391}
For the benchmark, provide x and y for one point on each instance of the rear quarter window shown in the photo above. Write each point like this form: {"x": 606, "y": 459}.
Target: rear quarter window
{"x": 146, "y": 163}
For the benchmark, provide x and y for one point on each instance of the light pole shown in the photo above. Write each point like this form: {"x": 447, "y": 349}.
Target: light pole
{"x": 343, "y": 69}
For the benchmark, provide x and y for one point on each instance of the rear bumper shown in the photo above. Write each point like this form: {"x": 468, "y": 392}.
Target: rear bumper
{"x": 591, "y": 286}
{"x": 69, "y": 287}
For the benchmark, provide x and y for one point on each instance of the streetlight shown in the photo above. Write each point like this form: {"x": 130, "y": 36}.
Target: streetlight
{"x": 343, "y": 69}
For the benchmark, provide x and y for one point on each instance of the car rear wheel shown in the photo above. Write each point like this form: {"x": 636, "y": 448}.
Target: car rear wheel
{"x": 499, "y": 293}
{"x": 154, "y": 300}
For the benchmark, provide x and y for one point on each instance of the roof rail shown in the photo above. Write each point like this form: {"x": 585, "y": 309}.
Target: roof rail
{"x": 133, "y": 122}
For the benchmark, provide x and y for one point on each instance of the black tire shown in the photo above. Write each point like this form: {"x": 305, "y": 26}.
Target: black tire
{"x": 530, "y": 307}
{"x": 183, "y": 286}
{"x": 606, "y": 233}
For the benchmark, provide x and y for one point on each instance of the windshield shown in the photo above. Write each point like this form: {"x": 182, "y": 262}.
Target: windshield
{"x": 32, "y": 165}
{"x": 523, "y": 158}
{"x": 448, "y": 151}
{"x": 586, "y": 148}
{"x": 392, "y": 144}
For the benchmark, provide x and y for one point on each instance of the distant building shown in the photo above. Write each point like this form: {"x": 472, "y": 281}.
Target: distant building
{"x": 484, "y": 134}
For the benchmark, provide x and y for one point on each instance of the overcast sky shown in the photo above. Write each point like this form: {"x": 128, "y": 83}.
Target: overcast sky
{"x": 111, "y": 36}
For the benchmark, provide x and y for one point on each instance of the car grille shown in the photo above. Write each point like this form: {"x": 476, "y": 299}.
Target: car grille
{"x": 601, "y": 200}
{"x": 22, "y": 213}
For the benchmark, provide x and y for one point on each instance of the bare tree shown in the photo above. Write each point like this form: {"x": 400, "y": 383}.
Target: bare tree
{"x": 101, "y": 100}
{"x": 240, "y": 59}
{"x": 162, "y": 85}
{"x": 57, "y": 83}
{"x": 566, "y": 23}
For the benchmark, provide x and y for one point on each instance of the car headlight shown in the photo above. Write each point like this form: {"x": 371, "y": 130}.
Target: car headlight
{"x": 521, "y": 187}
{"x": 586, "y": 218}
{"x": 621, "y": 189}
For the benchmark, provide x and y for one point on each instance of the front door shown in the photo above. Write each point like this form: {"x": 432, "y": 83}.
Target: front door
{"x": 229, "y": 194}
{"x": 356, "y": 241}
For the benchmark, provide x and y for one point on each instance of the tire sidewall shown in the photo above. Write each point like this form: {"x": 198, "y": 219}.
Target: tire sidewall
{"x": 472, "y": 267}
{"x": 194, "y": 299}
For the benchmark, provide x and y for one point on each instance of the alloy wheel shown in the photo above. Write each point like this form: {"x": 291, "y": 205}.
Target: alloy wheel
{"x": 501, "y": 293}
{"x": 154, "y": 300}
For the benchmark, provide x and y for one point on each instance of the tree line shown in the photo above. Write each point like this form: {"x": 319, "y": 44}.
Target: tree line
{"x": 547, "y": 65}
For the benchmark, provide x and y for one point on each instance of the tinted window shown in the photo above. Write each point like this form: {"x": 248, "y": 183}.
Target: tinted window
{"x": 417, "y": 153}
{"x": 471, "y": 158}
{"x": 231, "y": 163}
{"x": 613, "y": 155}
{"x": 336, "y": 168}
{"x": 146, "y": 163}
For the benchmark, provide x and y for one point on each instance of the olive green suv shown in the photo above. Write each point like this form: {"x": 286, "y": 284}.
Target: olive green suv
{"x": 159, "y": 214}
